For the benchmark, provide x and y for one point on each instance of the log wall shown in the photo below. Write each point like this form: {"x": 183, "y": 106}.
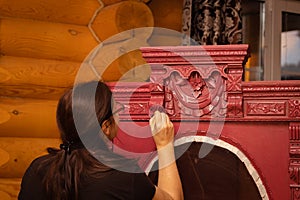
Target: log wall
{"x": 43, "y": 44}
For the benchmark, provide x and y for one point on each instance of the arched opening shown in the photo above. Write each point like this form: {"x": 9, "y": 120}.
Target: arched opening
{"x": 219, "y": 175}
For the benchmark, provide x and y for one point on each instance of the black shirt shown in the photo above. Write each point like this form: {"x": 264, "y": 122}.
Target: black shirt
{"x": 114, "y": 185}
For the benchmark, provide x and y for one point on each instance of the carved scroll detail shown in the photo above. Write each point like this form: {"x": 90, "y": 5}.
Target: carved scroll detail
{"x": 234, "y": 108}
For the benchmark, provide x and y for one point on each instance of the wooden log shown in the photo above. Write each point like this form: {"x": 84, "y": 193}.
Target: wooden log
{"x": 63, "y": 11}
{"x": 22, "y": 151}
{"x": 9, "y": 188}
{"x": 36, "y": 39}
{"x": 167, "y": 14}
{"x": 35, "y": 78}
{"x": 48, "y": 79}
{"x": 123, "y": 16}
{"x": 29, "y": 118}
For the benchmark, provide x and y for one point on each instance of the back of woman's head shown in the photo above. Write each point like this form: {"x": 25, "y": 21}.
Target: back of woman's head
{"x": 82, "y": 110}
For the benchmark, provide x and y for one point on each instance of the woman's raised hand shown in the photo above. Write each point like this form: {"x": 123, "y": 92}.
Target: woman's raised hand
{"x": 162, "y": 129}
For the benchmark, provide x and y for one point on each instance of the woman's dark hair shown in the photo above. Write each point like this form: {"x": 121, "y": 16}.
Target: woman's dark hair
{"x": 81, "y": 134}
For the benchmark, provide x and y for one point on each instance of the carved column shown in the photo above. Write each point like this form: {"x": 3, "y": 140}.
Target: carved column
{"x": 212, "y": 21}
{"x": 294, "y": 168}
{"x": 234, "y": 91}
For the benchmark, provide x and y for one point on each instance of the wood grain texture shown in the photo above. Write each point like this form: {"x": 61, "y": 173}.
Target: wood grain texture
{"x": 4, "y": 157}
{"x": 22, "y": 151}
{"x": 29, "y": 118}
{"x": 63, "y": 11}
{"x": 122, "y": 16}
{"x": 35, "y": 78}
{"x": 36, "y": 39}
{"x": 9, "y": 188}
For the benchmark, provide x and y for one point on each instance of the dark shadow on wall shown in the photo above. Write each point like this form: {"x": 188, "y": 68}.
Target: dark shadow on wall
{"x": 218, "y": 176}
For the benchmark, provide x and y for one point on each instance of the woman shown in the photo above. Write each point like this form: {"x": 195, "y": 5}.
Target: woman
{"x": 85, "y": 167}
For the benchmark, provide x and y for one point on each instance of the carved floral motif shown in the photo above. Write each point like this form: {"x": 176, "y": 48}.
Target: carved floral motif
{"x": 263, "y": 108}
{"x": 195, "y": 96}
{"x": 138, "y": 108}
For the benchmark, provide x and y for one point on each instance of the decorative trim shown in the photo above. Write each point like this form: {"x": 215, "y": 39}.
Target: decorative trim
{"x": 264, "y": 88}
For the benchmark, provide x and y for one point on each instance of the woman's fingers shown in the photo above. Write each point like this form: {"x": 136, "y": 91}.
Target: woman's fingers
{"x": 162, "y": 129}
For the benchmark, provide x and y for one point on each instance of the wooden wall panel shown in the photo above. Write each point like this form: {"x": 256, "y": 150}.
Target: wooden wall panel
{"x": 63, "y": 11}
{"x": 28, "y": 118}
{"x": 22, "y": 151}
{"x": 9, "y": 188}
{"x": 36, "y": 39}
{"x": 35, "y": 78}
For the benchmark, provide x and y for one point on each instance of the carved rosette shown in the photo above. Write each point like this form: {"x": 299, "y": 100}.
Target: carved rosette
{"x": 234, "y": 82}
{"x": 294, "y": 168}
